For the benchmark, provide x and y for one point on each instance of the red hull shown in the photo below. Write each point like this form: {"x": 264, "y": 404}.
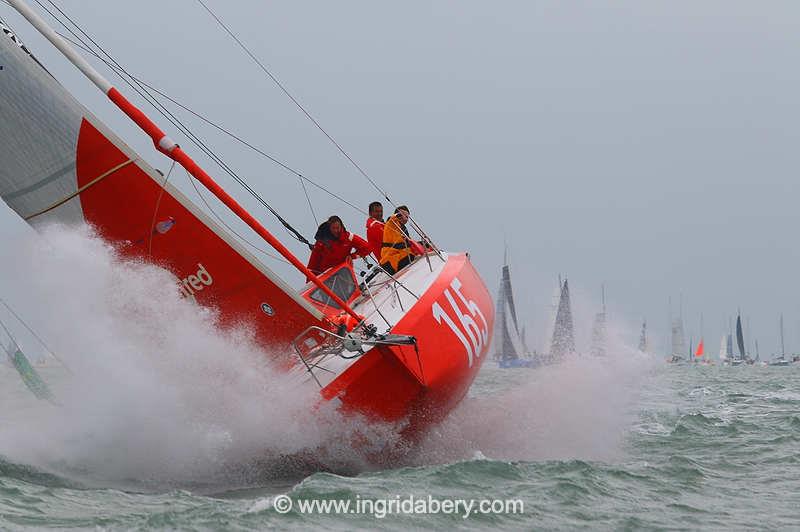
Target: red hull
{"x": 104, "y": 183}
{"x": 452, "y": 323}
{"x": 452, "y": 320}
{"x": 124, "y": 208}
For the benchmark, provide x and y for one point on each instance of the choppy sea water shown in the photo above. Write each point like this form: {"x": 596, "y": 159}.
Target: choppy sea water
{"x": 166, "y": 421}
{"x": 619, "y": 444}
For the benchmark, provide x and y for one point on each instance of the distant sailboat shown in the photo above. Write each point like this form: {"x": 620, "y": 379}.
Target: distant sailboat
{"x": 30, "y": 377}
{"x": 678, "y": 341}
{"x": 599, "y": 332}
{"x": 643, "y": 338}
{"x": 781, "y": 360}
{"x": 739, "y": 343}
{"x": 509, "y": 348}
{"x": 700, "y": 355}
{"x": 563, "y": 342}
{"x": 729, "y": 347}
{"x": 723, "y": 348}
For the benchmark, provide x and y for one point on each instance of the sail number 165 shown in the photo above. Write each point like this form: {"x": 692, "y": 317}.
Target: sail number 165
{"x": 473, "y": 335}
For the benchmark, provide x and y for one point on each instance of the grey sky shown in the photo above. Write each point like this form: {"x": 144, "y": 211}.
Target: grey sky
{"x": 647, "y": 145}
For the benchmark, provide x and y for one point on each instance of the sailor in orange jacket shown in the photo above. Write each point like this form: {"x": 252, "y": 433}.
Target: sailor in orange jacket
{"x": 375, "y": 228}
{"x": 333, "y": 245}
{"x": 398, "y": 249}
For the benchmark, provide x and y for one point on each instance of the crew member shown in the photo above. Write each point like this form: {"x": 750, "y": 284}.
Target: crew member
{"x": 397, "y": 249}
{"x": 375, "y": 228}
{"x": 334, "y": 245}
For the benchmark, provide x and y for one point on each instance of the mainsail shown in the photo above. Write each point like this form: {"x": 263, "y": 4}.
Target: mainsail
{"x": 61, "y": 164}
{"x": 563, "y": 341}
{"x": 508, "y": 344}
{"x": 740, "y": 338}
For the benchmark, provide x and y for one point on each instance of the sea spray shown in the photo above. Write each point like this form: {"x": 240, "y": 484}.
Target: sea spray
{"x": 580, "y": 408}
{"x": 158, "y": 392}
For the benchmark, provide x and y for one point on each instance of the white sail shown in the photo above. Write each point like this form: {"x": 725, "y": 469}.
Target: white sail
{"x": 563, "y": 341}
{"x": 508, "y": 344}
{"x": 39, "y": 122}
{"x": 678, "y": 339}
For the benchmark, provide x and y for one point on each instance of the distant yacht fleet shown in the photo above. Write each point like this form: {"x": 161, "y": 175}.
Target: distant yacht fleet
{"x": 510, "y": 348}
{"x": 727, "y": 355}
{"x": 511, "y": 351}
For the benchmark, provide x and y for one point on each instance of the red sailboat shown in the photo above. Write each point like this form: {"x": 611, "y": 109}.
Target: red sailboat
{"x": 402, "y": 347}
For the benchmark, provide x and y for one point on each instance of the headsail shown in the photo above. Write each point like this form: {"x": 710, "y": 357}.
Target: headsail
{"x": 60, "y": 163}
{"x": 563, "y": 341}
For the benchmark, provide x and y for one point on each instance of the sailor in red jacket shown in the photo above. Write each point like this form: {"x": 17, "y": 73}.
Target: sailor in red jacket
{"x": 333, "y": 245}
{"x": 375, "y": 228}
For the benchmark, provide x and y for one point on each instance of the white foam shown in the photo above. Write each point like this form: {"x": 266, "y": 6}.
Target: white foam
{"x": 158, "y": 391}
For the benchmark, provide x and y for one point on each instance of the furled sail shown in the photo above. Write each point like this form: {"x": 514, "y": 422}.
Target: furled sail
{"x": 563, "y": 341}
{"x": 508, "y": 344}
{"x": 61, "y": 164}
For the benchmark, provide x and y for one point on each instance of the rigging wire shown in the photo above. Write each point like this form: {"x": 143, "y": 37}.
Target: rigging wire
{"x": 192, "y": 181}
{"x": 167, "y": 114}
{"x": 314, "y": 121}
{"x": 293, "y": 99}
{"x": 308, "y": 199}
{"x": 220, "y": 128}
